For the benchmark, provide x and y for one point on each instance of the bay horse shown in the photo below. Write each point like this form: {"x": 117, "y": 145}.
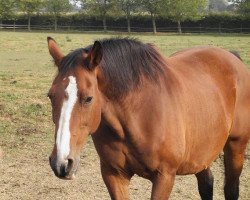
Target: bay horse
{"x": 149, "y": 115}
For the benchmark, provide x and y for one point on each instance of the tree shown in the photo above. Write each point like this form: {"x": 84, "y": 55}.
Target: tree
{"x": 182, "y": 10}
{"x": 56, "y": 8}
{"x": 217, "y": 5}
{"x": 153, "y": 7}
{"x": 244, "y": 8}
{"x": 235, "y": 2}
{"x": 29, "y": 7}
{"x": 128, "y": 6}
{"x": 100, "y": 8}
{"x": 7, "y": 9}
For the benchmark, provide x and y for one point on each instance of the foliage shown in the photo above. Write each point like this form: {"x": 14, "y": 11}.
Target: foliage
{"x": 181, "y": 10}
{"x": 244, "y": 7}
{"x": 99, "y": 7}
{"x": 151, "y": 6}
{"x": 7, "y": 8}
{"x": 56, "y": 7}
{"x": 217, "y": 5}
{"x": 235, "y": 2}
{"x": 30, "y": 6}
{"x": 128, "y": 6}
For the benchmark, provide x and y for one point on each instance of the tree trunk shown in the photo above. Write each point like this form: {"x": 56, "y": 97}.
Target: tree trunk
{"x": 55, "y": 23}
{"x": 179, "y": 27}
{"x": 128, "y": 23}
{"x": 104, "y": 24}
{"x": 153, "y": 23}
{"x": 29, "y": 18}
{"x": 127, "y": 12}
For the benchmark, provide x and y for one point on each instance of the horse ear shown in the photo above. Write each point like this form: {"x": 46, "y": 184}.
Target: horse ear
{"x": 54, "y": 51}
{"x": 95, "y": 55}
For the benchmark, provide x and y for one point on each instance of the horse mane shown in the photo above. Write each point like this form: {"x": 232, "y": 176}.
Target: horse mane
{"x": 124, "y": 62}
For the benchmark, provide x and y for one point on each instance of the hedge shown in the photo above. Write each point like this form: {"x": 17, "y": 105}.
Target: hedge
{"x": 138, "y": 22}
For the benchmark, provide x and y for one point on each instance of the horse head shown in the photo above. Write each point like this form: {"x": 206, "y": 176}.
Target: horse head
{"x": 76, "y": 105}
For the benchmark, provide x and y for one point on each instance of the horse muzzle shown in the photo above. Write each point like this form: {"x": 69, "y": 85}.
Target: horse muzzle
{"x": 64, "y": 169}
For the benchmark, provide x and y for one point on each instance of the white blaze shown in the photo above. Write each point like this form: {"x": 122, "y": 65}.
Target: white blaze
{"x": 63, "y": 132}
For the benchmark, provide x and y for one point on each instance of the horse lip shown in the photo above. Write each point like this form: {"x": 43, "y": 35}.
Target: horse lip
{"x": 71, "y": 176}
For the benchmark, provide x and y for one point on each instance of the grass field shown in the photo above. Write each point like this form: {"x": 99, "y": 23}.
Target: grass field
{"x": 26, "y": 128}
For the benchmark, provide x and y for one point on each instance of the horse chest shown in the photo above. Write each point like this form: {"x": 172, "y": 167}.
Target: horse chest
{"x": 142, "y": 164}
{"x": 126, "y": 159}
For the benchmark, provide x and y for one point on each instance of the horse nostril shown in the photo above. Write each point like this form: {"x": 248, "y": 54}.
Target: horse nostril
{"x": 70, "y": 164}
{"x": 63, "y": 172}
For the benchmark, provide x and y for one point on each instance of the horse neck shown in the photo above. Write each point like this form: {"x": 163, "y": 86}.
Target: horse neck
{"x": 115, "y": 113}
{"x": 122, "y": 114}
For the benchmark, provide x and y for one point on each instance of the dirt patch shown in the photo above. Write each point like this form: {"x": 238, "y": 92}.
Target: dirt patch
{"x": 26, "y": 130}
{"x": 26, "y": 174}
{"x": 1, "y": 155}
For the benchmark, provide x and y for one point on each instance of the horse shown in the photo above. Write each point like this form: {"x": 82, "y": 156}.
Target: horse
{"x": 150, "y": 115}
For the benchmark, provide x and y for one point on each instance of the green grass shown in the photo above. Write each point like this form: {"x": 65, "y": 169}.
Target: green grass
{"x": 26, "y": 72}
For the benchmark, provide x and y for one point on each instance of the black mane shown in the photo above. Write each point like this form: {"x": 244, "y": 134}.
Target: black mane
{"x": 123, "y": 64}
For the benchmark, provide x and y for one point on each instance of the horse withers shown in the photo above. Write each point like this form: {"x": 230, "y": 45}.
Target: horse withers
{"x": 150, "y": 115}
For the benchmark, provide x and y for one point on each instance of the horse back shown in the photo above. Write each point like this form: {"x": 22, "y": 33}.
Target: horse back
{"x": 231, "y": 67}
{"x": 206, "y": 72}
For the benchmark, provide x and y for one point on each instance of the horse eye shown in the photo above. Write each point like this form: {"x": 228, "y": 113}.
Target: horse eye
{"x": 87, "y": 100}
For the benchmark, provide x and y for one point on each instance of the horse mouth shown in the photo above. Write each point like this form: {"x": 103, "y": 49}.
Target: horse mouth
{"x": 69, "y": 175}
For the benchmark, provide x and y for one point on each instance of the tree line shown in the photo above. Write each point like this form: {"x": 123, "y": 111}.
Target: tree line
{"x": 177, "y": 10}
